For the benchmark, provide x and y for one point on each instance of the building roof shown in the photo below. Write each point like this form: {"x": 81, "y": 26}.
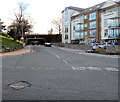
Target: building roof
{"x": 95, "y": 7}
{"x": 90, "y": 9}
{"x": 73, "y": 8}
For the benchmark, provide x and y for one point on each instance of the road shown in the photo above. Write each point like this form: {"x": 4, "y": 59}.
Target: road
{"x": 58, "y": 74}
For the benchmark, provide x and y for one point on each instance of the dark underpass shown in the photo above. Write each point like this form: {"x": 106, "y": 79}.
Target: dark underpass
{"x": 33, "y": 41}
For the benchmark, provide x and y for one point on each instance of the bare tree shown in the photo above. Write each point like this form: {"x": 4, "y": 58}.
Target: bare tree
{"x": 58, "y": 24}
{"x": 50, "y": 32}
{"x": 21, "y": 24}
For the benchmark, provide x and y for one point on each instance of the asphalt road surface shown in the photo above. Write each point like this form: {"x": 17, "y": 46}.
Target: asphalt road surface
{"x": 55, "y": 74}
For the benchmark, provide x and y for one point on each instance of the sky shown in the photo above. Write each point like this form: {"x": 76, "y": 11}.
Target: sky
{"x": 42, "y": 11}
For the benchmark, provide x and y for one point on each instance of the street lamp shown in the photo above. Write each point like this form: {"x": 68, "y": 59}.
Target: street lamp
{"x": 22, "y": 38}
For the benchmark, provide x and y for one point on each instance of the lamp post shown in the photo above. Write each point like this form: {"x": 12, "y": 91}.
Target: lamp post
{"x": 22, "y": 38}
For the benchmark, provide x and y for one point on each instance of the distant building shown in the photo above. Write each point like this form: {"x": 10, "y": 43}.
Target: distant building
{"x": 89, "y": 25}
{"x": 66, "y": 23}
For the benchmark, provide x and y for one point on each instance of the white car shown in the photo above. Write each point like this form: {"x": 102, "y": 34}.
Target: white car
{"x": 101, "y": 45}
{"x": 47, "y": 44}
{"x": 95, "y": 46}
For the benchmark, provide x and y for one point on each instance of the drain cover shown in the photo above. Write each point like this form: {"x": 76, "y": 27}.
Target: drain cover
{"x": 19, "y": 85}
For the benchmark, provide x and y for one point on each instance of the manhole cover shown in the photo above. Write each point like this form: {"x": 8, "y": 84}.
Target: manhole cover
{"x": 19, "y": 85}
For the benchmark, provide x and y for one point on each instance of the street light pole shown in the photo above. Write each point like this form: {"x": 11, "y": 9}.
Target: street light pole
{"x": 22, "y": 38}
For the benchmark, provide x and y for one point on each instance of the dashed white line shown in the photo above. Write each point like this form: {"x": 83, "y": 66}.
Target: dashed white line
{"x": 57, "y": 56}
{"x": 94, "y": 68}
{"x": 65, "y": 61}
{"x": 112, "y": 69}
{"x": 73, "y": 68}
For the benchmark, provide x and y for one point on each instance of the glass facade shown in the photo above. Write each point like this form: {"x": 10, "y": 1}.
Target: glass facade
{"x": 92, "y": 25}
{"x": 92, "y": 16}
{"x": 85, "y": 33}
{"x": 66, "y": 16}
{"x": 93, "y": 33}
{"x": 78, "y": 27}
{"x": 86, "y": 16}
{"x": 78, "y": 35}
{"x": 113, "y": 33}
{"x": 85, "y": 25}
{"x": 113, "y": 22}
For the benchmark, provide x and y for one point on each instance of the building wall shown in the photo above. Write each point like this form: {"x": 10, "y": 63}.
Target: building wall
{"x": 66, "y": 25}
{"x": 76, "y": 25}
{"x": 106, "y": 12}
{"x": 88, "y": 22}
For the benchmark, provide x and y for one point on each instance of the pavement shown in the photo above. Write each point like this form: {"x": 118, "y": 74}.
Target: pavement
{"x": 26, "y": 49}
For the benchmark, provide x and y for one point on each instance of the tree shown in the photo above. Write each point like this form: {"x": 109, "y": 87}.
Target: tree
{"x": 21, "y": 24}
{"x": 58, "y": 24}
{"x": 50, "y": 32}
{"x": 2, "y": 27}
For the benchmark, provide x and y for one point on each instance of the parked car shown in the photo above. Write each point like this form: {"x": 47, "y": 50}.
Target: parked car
{"x": 107, "y": 44}
{"x": 47, "y": 44}
{"x": 114, "y": 43}
{"x": 91, "y": 43}
{"x": 101, "y": 45}
{"x": 82, "y": 43}
{"x": 95, "y": 46}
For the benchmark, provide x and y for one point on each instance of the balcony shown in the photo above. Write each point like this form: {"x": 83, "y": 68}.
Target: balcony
{"x": 78, "y": 21}
{"x": 112, "y": 15}
{"x": 114, "y": 27}
{"x": 79, "y": 30}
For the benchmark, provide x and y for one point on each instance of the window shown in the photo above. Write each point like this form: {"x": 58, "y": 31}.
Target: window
{"x": 74, "y": 27}
{"x": 111, "y": 22}
{"x": 85, "y": 33}
{"x": 92, "y": 25}
{"x": 79, "y": 27}
{"x": 92, "y": 16}
{"x": 66, "y": 30}
{"x": 85, "y": 25}
{"x": 66, "y": 23}
{"x": 81, "y": 35}
{"x": 86, "y": 16}
{"x": 66, "y": 36}
{"x": 78, "y": 35}
{"x": 66, "y": 16}
{"x": 92, "y": 33}
{"x": 81, "y": 17}
{"x": 113, "y": 33}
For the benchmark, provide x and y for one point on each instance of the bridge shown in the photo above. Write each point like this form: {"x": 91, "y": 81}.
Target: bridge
{"x": 41, "y": 39}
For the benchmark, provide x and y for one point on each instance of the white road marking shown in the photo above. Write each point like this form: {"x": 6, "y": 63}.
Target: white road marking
{"x": 57, "y": 56}
{"x": 73, "y": 68}
{"x": 79, "y": 68}
{"x": 112, "y": 69}
{"x": 94, "y": 68}
{"x": 65, "y": 61}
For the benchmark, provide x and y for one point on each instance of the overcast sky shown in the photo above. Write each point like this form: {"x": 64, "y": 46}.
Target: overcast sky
{"x": 42, "y": 11}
